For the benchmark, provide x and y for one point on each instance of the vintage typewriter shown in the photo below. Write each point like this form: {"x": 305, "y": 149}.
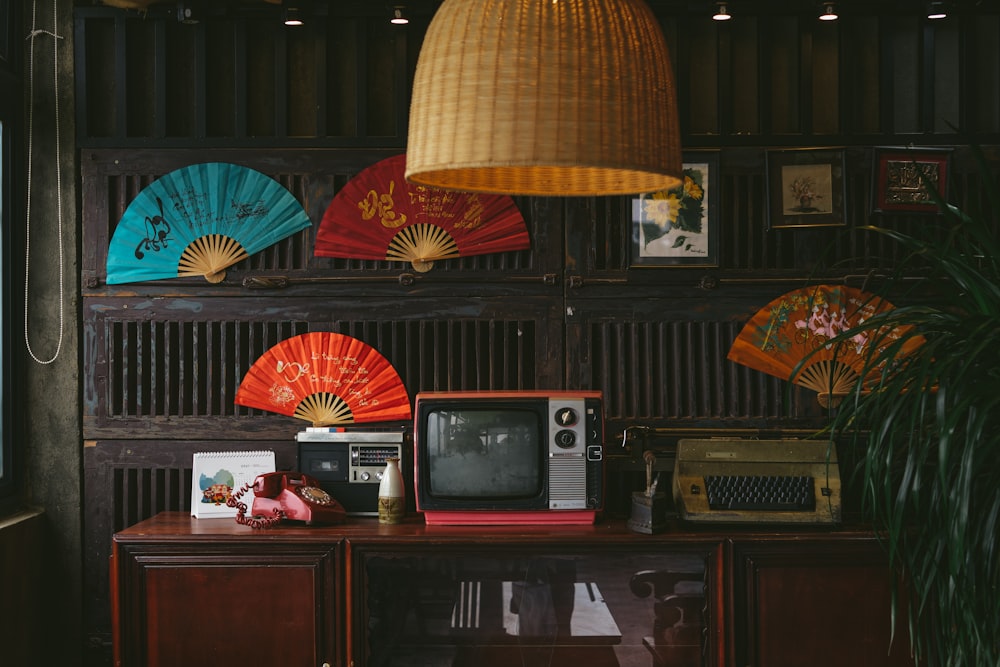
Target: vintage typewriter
{"x": 757, "y": 481}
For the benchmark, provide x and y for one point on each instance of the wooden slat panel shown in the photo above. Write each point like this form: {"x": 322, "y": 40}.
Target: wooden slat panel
{"x": 343, "y": 79}
{"x": 173, "y": 366}
{"x": 662, "y": 361}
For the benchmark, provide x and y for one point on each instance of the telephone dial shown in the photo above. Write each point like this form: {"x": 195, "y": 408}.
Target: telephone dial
{"x": 291, "y": 496}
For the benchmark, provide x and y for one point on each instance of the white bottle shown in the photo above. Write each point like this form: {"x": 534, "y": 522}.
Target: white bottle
{"x": 391, "y": 494}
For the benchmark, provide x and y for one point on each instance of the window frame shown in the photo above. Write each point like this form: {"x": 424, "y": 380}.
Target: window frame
{"x": 11, "y": 209}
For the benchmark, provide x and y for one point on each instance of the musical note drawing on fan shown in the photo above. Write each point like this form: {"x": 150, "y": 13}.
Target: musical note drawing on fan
{"x": 298, "y": 370}
{"x": 383, "y": 206}
{"x": 157, "y": 233}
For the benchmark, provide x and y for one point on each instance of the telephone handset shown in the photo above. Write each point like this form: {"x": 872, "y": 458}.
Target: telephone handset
{"x": 286, "y": 495}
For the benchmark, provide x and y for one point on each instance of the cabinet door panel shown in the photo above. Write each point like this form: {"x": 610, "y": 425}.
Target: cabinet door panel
{"x": 818, "y": 603}
{"x": 530, "y": 608}
{"x": 194, "y": 605}
{"x": 213, "y": 615}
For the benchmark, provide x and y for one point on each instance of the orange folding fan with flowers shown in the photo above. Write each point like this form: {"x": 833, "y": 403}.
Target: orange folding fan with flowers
{"x": 325, "y": 378}
{"x": 799, "y": 324}
{"x": 378, "y": 215}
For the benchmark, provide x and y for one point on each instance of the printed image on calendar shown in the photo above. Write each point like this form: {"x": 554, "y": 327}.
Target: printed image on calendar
{"x": 215, "y": 476}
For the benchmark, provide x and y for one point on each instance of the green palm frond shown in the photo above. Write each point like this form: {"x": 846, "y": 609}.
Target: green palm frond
{"x": 926, "y": 429}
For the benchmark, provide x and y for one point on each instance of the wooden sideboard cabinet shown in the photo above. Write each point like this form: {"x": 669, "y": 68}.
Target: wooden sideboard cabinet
{"x": 190, "y": 591}
{"x": 199, "y": 591}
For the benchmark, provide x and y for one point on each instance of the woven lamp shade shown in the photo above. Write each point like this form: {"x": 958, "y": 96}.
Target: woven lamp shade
{"x": 544, "y": 97}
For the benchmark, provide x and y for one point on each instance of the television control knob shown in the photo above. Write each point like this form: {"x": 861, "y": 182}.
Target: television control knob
{"x": 365, "y": 476}
{"x": 566, "y": 417}
{"x": 565, "y": 439}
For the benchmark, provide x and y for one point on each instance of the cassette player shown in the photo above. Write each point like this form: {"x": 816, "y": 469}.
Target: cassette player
{"x": 349, "y": 464}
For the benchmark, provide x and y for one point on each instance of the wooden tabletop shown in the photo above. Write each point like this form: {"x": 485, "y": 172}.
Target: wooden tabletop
{"x": 174, "y": 525}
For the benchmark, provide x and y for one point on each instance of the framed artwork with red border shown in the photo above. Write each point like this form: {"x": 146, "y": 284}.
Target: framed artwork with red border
{"x": 903, "y": 178}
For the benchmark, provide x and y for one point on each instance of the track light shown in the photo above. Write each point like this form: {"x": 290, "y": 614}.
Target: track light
{"x": 188, "y": 12}
{"x": 829, "y": 12}
{"x": 398, "y": 16}
{"x": 292, "y": 15}
{"x": 721, "y": 12}
{"x": 936, "y": 10}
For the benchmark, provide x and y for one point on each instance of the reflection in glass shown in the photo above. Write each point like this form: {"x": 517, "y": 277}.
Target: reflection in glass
{"x": 535, "y": 611}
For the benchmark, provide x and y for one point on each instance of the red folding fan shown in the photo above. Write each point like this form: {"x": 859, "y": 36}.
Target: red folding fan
{"x": 325, "y": 378}
{"x": 378, "y": 215}
{"x": 799, "y": 324}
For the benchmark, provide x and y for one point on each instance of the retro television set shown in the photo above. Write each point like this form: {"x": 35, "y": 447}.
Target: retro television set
{"x": 508, "y": 457}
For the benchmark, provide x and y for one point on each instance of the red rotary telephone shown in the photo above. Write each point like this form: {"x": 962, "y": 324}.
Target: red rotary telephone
{"x": 287, "y": 495}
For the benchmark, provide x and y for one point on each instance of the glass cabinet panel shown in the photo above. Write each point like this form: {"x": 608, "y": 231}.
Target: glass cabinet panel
{"x": 533, "y": 609}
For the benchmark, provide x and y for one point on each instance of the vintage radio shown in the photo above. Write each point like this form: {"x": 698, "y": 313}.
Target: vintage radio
{"x": 349, "y": 464}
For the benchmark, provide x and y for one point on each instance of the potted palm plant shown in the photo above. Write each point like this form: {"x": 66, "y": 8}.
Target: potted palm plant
{"x": 924, "y": 426}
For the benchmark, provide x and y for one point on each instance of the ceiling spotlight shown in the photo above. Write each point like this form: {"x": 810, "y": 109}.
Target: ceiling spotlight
{"x": 398, "y": 17}
{"x": 292, "y": 16}
{"x": 829, "y": 12}
{"x": 935, "y": 10}
{"x": 721, "y": 13}
{"x": 188, "y": 12}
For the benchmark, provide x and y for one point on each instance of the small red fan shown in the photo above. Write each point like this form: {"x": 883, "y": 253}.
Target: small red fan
{"x": 325, "y": 378}
{"x": 799, "y": 324}
{"x": 378, "y": 215}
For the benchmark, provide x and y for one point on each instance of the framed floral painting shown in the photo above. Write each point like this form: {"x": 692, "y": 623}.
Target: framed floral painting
{"x": 805, "y": 188}
{"x": 680, "y": 227}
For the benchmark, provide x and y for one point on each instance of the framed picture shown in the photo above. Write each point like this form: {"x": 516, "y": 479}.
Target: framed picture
{"x": 805, "y": 187}
{"x": 680, "y": 227}
{"x": 904, "y": 178}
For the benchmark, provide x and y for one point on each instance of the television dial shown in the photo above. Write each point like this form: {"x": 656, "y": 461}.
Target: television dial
{"x": 566, "y": 439}
{"x": 566, "y": 417}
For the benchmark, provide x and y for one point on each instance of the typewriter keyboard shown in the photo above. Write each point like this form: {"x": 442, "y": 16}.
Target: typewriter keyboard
{"x": 760, "y": 492}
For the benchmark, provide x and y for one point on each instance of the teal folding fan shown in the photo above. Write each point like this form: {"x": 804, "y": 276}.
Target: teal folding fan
{"x": 199, "y": 220}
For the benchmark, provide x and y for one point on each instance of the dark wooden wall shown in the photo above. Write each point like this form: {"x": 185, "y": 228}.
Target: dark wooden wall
{"x": 312, "y": 107}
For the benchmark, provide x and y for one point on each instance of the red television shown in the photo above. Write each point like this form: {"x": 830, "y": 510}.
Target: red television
{"x": 509, "y": 457}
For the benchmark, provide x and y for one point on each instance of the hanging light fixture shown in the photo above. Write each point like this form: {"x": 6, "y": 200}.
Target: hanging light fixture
{"x": 721, "y": 12}
{"x": 829, "y": 12}
{"x": 188, "y": 12}
{"x": 398, "y": 16}
{"x": 936, "y": 10}
{"x": 544, "y": 97}
{"x": 292, "y": 15}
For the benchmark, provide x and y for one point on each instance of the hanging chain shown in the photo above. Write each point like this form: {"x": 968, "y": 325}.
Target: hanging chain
{"x": 59, "y": 204}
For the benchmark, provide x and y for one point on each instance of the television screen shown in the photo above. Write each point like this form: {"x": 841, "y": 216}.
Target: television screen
{"x": 485, "y": 453}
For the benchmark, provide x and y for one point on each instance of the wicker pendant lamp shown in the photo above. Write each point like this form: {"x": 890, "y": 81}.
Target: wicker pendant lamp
{"x": 544, "y": 97}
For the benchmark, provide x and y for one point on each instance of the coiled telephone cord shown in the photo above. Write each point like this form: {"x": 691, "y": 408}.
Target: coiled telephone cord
{"x": 253, "y": 521}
